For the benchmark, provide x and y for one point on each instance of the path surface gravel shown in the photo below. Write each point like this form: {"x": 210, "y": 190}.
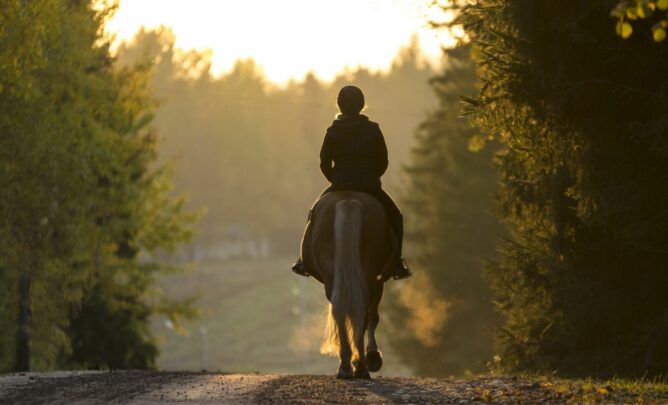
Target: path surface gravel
{"x": 149, "y": 387}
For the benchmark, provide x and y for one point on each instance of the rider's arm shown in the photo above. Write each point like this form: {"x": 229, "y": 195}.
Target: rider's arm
{"x": 381, "y": 154}
{"x": 326, "y": 158}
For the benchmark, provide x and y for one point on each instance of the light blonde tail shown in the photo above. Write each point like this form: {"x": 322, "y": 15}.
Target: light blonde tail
{"x": 350, "y": 293}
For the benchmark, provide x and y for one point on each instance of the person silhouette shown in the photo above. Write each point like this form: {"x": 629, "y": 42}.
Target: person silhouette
{"x": 354, "y": 157}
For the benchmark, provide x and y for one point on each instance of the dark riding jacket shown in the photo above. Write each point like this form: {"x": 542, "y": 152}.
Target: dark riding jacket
{"x": 356, "y": 147}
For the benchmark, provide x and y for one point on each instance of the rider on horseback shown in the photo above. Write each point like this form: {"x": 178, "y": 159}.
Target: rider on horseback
{"x": 357, "y": 148}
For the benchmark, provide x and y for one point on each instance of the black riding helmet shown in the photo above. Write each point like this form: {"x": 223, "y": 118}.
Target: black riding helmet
{"x": 350, "y": 100}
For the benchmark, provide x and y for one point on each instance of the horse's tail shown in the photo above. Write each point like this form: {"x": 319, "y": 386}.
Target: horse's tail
{"x": 350, "y": 293}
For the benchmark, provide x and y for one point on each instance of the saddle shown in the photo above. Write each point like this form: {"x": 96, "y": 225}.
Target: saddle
{"x": 304, "y": 269}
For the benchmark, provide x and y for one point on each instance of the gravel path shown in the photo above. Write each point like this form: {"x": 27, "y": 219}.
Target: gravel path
{"x": 147, "y": 387}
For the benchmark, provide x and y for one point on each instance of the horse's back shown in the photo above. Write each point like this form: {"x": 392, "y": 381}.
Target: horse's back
{"x": 377, "y": 239}
{"x": 372, "y": 208}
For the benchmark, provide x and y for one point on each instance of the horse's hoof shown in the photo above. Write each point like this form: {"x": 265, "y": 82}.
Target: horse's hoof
{"x": 374, "y": 360}
{"x": 344, "y": 373}
{"x": 361, "y": 369}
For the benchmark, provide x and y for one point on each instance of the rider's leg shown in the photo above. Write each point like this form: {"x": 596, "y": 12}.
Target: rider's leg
{"x": 299, "y": 267}
{"x": 396, "y": 220}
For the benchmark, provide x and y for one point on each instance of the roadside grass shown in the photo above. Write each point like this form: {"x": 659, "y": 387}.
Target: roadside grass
{"x": 615, "y": 390}
{"x": 256, "y": 316}
{"x": 528, "y": 388}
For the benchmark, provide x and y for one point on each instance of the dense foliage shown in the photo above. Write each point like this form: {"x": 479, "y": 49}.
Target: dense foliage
{"x": 451, "y": 230}
{"x": 80, "y": 197}
{"x": 627, "y": 11}
{"x": 582, "y": 116}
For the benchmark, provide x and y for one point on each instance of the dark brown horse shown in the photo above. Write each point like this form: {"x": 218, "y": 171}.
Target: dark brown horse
{"x": 348, "y": 246}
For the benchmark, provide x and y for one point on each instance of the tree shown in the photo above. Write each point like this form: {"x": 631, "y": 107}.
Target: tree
{"x": 450, "y": 232}
{"x": 78, "y": 187}
{"x": 581, "y": 116}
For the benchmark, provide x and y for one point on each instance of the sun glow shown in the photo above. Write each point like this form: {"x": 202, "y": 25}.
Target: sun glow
{"x": 289, "y": 38}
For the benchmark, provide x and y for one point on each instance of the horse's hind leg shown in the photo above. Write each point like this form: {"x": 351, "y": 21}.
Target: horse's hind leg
{"x": 345, "y": 352}
{"x": 374, "y": 358}
{"x": 360, "y": 366}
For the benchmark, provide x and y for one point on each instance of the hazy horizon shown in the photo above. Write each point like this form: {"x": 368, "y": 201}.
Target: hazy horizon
{"x": 305, "y": 40}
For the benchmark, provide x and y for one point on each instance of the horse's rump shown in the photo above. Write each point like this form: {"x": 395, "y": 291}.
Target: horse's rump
{"x": 377, "y": 239}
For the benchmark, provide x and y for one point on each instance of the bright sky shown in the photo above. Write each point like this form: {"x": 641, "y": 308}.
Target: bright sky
{"x": 288, "y": 38}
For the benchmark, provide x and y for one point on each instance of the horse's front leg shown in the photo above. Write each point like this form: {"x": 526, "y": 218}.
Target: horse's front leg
{"x": 374, "y": 358}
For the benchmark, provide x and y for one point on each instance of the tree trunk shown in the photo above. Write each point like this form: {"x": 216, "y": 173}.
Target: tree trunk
{"x": 23, "y": 340}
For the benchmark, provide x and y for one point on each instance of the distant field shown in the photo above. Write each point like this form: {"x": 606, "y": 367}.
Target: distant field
{"x": 257, "y": 316}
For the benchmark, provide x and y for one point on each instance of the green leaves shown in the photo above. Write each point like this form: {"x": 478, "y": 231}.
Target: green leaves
{"x": 638, "y": 10}
{"x": 79, "y": 194}
{"x": 659, "y": 30}
{"x": 476, "y": 143}
{"x": 624, "y": 29}
{"x": 645, "y": 9}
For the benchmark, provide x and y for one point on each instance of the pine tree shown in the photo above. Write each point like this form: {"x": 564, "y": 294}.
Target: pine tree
{"x": 582, "y": 117}
{"x": 450, "y": 232}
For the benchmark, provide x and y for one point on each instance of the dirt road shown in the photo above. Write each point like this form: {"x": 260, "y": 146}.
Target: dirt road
{"x": 138, "y": 387}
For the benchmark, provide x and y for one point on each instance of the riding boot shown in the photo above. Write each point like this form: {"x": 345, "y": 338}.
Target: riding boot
{"x": 401, "y": 269}
{"x": 300, "y": 268}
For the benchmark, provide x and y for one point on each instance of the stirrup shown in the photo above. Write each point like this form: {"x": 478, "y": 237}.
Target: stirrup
{"x": 300, "y": 269}
{"x": 403, "y": 271}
